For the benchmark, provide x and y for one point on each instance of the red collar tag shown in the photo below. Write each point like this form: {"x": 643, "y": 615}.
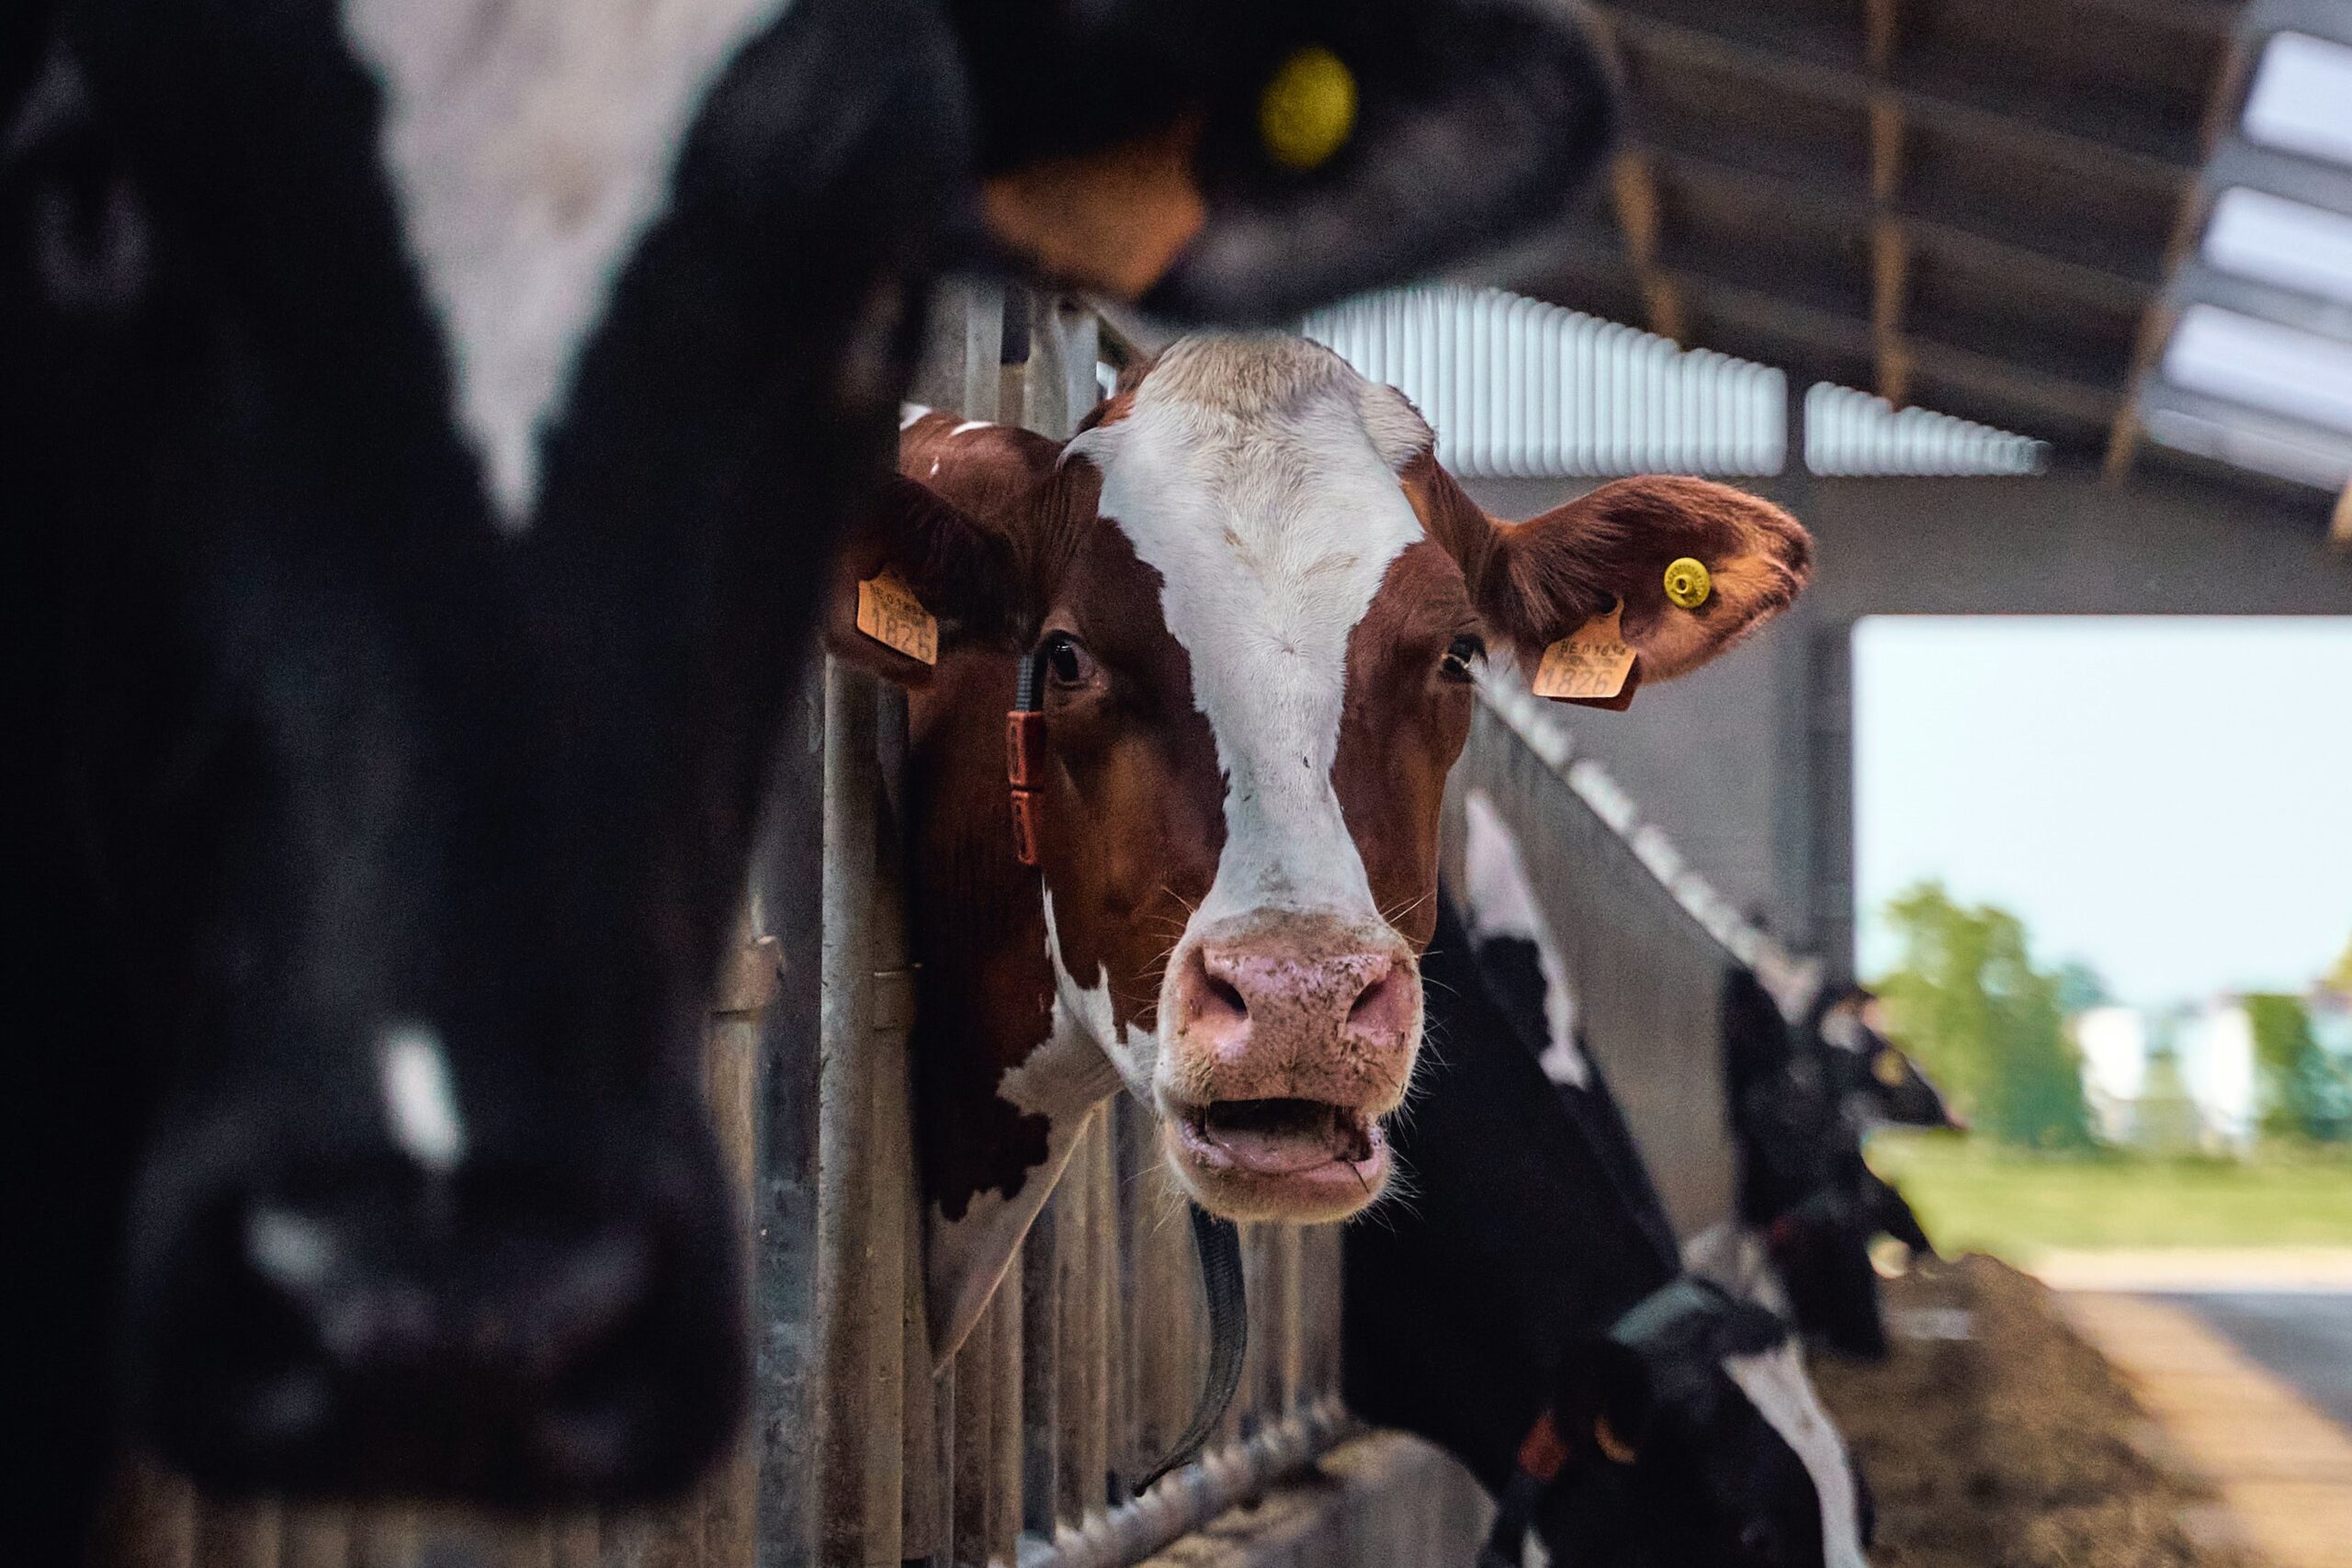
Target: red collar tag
{"x": 1025, "y": 768}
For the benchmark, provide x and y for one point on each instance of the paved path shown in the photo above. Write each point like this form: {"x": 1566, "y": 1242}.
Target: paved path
{"x": 2302, "y": 1337}
{"x": 2248, "y": 1369}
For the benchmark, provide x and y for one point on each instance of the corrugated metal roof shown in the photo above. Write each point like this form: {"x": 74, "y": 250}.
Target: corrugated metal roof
{"x": 1517, "y": 389}
{"x": 1847, "y": 432}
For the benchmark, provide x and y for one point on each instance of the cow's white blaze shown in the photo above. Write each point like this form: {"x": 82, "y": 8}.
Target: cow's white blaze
{"x": 1500, "y": 901}
{"x": 1776, "y": 1383}
{"x": 420, "y": 1098}
{"x": 1246, "y": 473}
{"x": 531, "y": 144}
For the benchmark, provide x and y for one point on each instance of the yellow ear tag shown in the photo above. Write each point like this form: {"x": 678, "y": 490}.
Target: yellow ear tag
{"x": 1308, "y": 110}
{"x": 1688, "y": 583}
{"x": 1613, "y": 1449}
{"x": 888, "y": 612}
{"x": 1589, "y": 664}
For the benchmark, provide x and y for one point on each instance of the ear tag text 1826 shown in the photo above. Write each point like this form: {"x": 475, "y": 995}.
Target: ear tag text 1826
{"x": 1592, "y": 665}
{"x": 888, "y": 612}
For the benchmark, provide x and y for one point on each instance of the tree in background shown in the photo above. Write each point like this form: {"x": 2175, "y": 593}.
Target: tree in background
{"x": 2340, "y": 977}
{"x": 2080, "y": 986}
{"x": 2301, "y": 1094}
{"x": 1967, "y": 1001}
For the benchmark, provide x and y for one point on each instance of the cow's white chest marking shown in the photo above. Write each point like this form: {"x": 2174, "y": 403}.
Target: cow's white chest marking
{"x": 531, "y": 144}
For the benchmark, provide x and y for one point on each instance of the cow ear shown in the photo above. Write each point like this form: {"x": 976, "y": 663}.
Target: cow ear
{"x": 1386, "y": 140}
{"x": 1604, "y": 1401}
{"x": 1244, "y": 163}
{"x": 1694, "y": 566}
{"x": 917, "y": 576}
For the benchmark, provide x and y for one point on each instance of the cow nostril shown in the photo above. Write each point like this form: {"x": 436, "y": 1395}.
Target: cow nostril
{"x": 1221, "y": 996}
{"x": 1386, "y": 1004}
{"x": 1215, "y": 996}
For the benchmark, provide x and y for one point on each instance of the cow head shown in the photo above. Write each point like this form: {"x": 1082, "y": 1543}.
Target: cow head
{"x": 408, "y": 375}
{"x": 394, "y": 390}
{"x": 1877, "y": 1080}
{"x": 1689, "y": 1435}
{"x": 1259, "y": 605}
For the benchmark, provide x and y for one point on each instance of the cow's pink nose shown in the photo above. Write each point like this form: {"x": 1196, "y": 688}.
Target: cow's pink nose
{"x": 1269, "y": 1017}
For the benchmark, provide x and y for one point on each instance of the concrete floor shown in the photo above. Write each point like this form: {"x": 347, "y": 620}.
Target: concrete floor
{"x": 2303, "y": 1338}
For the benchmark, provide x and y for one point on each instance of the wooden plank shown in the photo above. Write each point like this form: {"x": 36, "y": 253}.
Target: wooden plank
{"x": 975, "y": 1427}
{"x": 858, "y": 1289}
{"x": 1004, "y": 1424}
{"x": 1041, "y": 1392}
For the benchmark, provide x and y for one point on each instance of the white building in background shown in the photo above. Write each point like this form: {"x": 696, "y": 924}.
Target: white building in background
{"x": 2114, "y": 1044}
{"x": 2216, "y": 1047}
{"x": 2211, "y": 1047}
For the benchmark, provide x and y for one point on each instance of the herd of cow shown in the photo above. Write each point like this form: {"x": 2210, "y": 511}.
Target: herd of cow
{"x": 434, "y": 430}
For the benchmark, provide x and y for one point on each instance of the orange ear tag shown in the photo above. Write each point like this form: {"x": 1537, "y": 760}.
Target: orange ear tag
{"x": 1591, "y": 665}
{"x": 888, "y": 612}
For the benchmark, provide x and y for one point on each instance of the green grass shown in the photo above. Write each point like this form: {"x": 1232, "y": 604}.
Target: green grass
{"x": 1973, "y": 1196}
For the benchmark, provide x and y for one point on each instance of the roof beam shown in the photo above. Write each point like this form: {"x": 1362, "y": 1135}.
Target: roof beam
{"x": 1889, "y": 246}
{"x": 2339, "y": 526}
{"x": 2037, "y": 273}
{"x": 1965, "y": 121}
{"x": 1640, "y": 216}
{"x": 1776, "y": 316}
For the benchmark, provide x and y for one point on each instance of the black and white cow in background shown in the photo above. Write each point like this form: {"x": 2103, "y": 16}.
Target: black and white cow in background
{"x": 423, "y": 423}
{"x": 1523, "y": 1308}
{"x": 1803, "y": 1097}
{"x": 1876, "y": 1081}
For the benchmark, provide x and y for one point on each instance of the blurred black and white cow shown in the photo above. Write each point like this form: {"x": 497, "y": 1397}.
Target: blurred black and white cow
{"x": 1876, "y": 1081}
{"x": 1803, "y": 1097}
{"x": 1523, "y": 1307}
{"x": 423, "y": 425}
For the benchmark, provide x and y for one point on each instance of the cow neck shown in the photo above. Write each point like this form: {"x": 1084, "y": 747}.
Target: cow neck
{"x": 1004, "y": 1077}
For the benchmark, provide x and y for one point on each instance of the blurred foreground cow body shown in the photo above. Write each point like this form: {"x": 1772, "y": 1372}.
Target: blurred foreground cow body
{"x": 1257, "y": 604}
{"x": 425, "y": 423}
{"x": 1523, "y": 1308}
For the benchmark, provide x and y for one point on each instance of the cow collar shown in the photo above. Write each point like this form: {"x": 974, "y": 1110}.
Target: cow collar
{"x": 1024, "y": 752}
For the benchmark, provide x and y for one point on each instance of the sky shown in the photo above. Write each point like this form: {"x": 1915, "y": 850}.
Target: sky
{"x": 2166, "y": 798}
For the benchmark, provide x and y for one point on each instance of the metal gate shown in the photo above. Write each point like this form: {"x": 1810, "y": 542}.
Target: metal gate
{"x": 1084, "y": 1367}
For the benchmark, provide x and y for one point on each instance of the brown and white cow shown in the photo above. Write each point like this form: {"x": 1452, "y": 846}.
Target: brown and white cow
{"x": 1262, "y": 605}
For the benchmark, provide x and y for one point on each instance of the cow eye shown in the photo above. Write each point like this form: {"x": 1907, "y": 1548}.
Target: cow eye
{"x": 1068, "y": 661}
{"x": 1461, "y": 658}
